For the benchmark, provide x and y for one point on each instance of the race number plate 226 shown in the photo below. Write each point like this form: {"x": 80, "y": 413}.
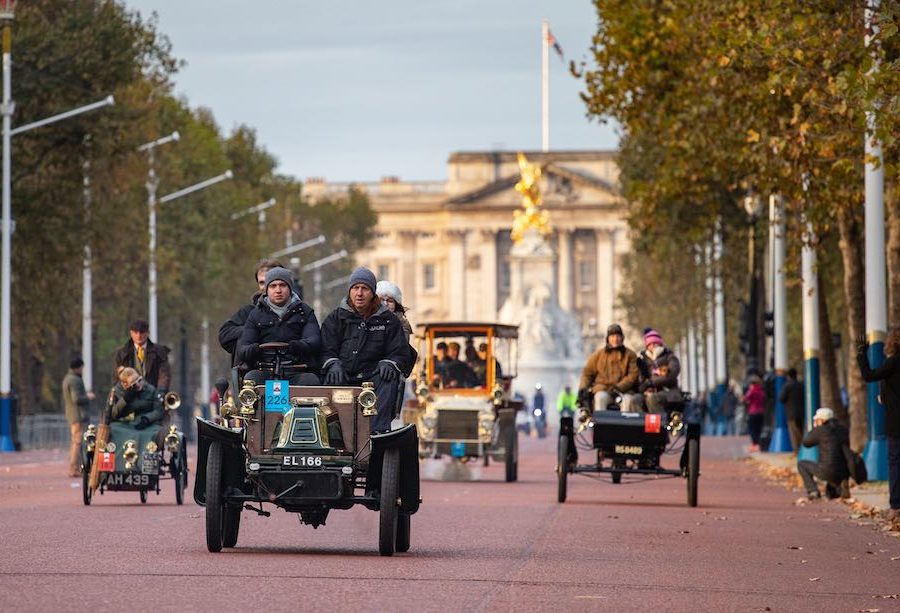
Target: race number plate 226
{"x": 278, "y": 396}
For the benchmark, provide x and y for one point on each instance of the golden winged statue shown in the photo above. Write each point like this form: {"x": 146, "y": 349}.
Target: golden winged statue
{"x": 531, "y": 215}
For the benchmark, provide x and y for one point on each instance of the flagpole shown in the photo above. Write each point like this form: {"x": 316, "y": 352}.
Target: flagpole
{"x": 545, "y": 86}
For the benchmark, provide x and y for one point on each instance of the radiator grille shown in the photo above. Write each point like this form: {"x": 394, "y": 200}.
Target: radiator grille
{"x": 457, "y": 425}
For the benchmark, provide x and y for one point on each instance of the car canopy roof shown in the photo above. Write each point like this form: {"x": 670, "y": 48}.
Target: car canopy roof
{"x": 457, "y": 328}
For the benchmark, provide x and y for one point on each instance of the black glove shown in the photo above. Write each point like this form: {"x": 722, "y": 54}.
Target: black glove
{"x": 386, "y": 371}
{"x": 335, "y": 374}
{"x": 129, "y": 394}
{"x": 862, "y": 345}
{"x": 251, "y": 352}
{"x": 142, "y": 422}
{"x": 298, "y": 348}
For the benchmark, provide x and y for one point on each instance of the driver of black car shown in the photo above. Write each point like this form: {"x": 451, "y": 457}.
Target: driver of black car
{"x": 281, "y": 317}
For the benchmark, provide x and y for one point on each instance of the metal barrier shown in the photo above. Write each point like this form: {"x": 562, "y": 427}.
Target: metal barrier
{"x": 43, "y": 431}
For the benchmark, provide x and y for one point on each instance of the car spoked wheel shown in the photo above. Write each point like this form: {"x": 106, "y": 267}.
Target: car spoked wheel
{"x": 562, "y": 468}
{"x": 403, "y": 530}
{"x": 390, "y": 481}
{"x": 693, "y": 472}
{"x": 215, "y": 506}
{"x": 231, "y": 525}
{"x": 512, "y": 454}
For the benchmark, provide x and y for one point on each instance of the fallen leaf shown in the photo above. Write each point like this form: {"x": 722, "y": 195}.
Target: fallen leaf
{"x": 893, "y": 558}
{"x": 685, "y": 531}
{"x": 814, "y": 578}
{"x": 803, "y": 561}
{"x": 794, "y": 547}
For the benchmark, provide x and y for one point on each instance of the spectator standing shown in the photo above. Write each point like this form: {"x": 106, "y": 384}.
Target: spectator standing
{"x": 791, "y": 396}
{"x": 889, "y": 376}
{"x": 755, "y": 401}
{"x": 77, "y": 404}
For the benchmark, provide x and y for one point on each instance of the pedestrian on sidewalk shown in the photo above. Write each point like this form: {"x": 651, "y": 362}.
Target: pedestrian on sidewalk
{"x": 830, "y": 436}
{"x": 889, "y": 376}
{"x": 791, "y": 396}
{"x": 77, "y": 404}
{"x": 755, "y": 401}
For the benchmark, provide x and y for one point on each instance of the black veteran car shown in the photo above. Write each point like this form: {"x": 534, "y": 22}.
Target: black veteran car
{"x": 463, "y": 408}
{"x": 118, "y": 455}
{"x": 307, "y": 450}
{"x": 622, "y": 443}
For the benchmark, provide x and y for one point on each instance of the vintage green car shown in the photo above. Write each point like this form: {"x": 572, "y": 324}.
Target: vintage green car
{"x": 307, "y": 450}
{"x": 119, "y": 457}
{"x": 463, "y": 408}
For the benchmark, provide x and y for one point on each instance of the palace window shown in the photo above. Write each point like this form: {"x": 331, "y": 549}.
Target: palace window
{"x": 428, "y": 280}
{"x": 384, "y": 271}
{"x": 585, "y": 275}
{"x": 505, "y": 275}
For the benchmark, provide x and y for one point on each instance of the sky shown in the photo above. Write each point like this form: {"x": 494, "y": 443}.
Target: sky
{"x": 354, "y": 91}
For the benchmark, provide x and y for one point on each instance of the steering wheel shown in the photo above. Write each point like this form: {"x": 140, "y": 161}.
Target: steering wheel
{"x": 276, "y": 347}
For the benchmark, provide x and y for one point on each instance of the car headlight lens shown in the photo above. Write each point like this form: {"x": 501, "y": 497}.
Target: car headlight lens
{"x": 676, "y": 423}
{"x": 172, "y": 440}
{"x": 367, "y": 400}
{"x": 497, "y": 394}
{"x": 90, "y": 438}
{"x": 247, "y": 397}
{"x": 129, "y": 453}
{"x": 151, "y": 446}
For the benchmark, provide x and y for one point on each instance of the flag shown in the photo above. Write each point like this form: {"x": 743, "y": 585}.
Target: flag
{"x": 551, "y": 40}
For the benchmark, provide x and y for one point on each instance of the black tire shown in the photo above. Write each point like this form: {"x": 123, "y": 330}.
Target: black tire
{"x": 693, "y": 474}
{"x": 231, "y": 525}
{"x": 562, "y": 468}
{"x": 617, "y": 477}
{"x": 86, "y": 493}
{"x": 179, "y": 481}
{"x": 390, "y": 483}
{"x": 403, "y": 527}
{"x": 143, "y": 493}
{"x": 512, "y": 455}
{"x": 215, "y": 505}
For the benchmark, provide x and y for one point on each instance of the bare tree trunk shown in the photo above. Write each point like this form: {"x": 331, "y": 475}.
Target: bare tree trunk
{"x": 892, "y": 205}
{"x": 854, "y": 294}
{"x": 830, "y": 386}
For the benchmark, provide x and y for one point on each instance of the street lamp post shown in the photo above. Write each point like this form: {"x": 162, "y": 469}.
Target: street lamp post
{"x": 316, "y": 267}
{"x": 152, "y": 185}
{"x": 259, "y": 209}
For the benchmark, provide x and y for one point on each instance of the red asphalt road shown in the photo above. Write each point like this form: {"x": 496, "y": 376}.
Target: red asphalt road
{"x": 480, "y": 545}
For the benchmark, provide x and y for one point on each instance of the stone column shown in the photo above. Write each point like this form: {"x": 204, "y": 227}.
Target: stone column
{"x": 488, "y": 276}
{"x": 456, "y": 288}
{"x": 406, "y": 266}
{"x": 605, "y": 277}
{"x": 564, "y": 268}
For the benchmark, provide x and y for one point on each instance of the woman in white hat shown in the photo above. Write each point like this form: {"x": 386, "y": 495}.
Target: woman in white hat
{"x": 392, "y": 298}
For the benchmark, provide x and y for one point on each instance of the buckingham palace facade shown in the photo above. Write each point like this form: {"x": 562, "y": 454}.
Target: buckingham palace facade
{"x": 447, "y": 243}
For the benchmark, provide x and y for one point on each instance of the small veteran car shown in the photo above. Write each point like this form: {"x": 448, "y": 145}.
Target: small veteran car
{"x": 630, "y": 444}
{"x": 307, "y": 450}
{"x": 116, "y": 456}
{"x": 463, "y": 407}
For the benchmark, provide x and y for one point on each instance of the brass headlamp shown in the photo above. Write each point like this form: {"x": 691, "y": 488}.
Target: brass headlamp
{"x": 173, "y": 442}
{"x": 248, "y": 397}
{"x": 367, "y": 399}
{"x": 129, "y": 453}
{"x": 90, "y": 438}
{"x": 676, "y": 423}
{"x": 497, "y": 394}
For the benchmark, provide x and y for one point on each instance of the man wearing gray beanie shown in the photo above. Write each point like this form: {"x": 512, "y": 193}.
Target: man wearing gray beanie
{"x": 363, "y": 341}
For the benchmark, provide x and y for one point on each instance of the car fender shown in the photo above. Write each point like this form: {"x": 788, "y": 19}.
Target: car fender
{"x": 406, "y": 439}
{"x": 235, "y": 468}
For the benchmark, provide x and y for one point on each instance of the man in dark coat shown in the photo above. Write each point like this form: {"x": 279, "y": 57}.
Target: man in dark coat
{"x": 151, "y": 361}
{"x": 830, "y": 436}
{"x": 791, "y": 396}
{"x": 230, "y": 331}
{"x": 281, "y": 317}
{"x": 363, "y": 341}
{"x": 889, "y": 376}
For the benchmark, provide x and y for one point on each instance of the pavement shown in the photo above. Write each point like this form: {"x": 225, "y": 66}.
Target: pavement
{"x": 478, "y": 544}
{"x": 872, "y": 495}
